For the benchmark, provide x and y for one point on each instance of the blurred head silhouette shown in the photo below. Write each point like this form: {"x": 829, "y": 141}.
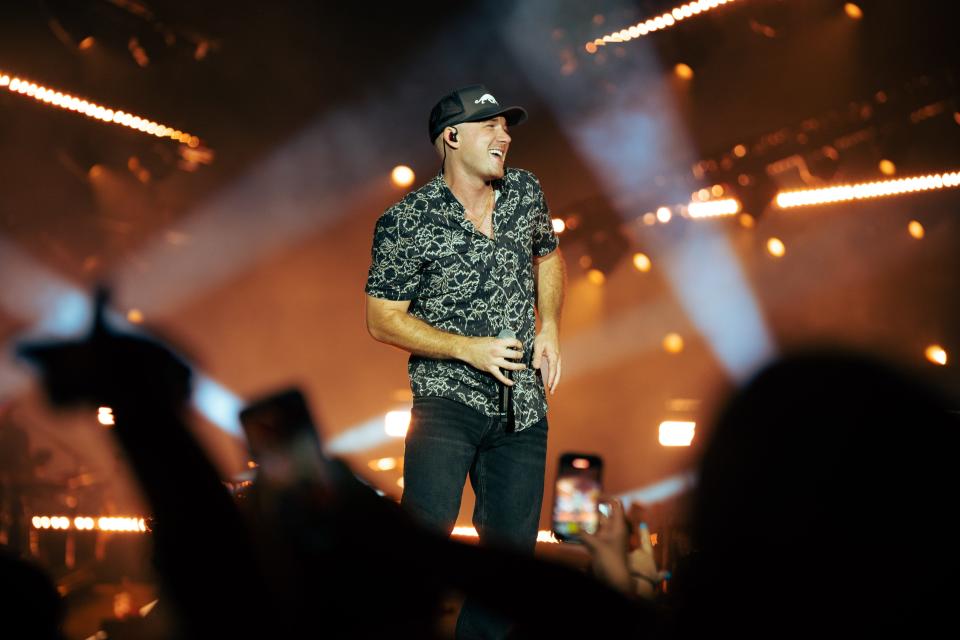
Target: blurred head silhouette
{"x": 30, "y": 606}
{"x": 826, "y": 494}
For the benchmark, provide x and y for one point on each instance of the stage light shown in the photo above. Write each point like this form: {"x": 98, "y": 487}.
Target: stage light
{"x": 396, "y": 423}
{"x": 596, "y": 277}
{"x": 866, "y": 190}
{"x": 776, "y": 247}
{"x": 915, "y": 229}
{"x": 66, "y": 101}
{"x": 402, "y": 176}
{"x": 683, "y": 71}
{"x": 558, "y": 225}
{"x": 936, "y": 354}
{"x": 677, "y": 433}
{"x": 714, "y": 208}
{"x": 747, "y": 221}
{"x": 585, "y": 262}
{"x": 118, "y": 524}
{"x": 664, "y": 214}
{"x": 649, "y": 218}
{"x": 740, "y": 151}
{"x": 717, "y": 190}
{"x": 641, "y": 262}
{"x": 657, "y": 23}
{"x": 471, "y": 532}
{"x": 135, "y": 316}
{"x": 105, "y": 416}
{"x": 383, "y": 464}
{"x": 673, "y": 343}
{"x": 887, "y": 167}
{"x": 853, "y": 11}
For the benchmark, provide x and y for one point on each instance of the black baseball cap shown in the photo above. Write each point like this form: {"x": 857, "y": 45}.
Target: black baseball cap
{"x": 470, "y": 104}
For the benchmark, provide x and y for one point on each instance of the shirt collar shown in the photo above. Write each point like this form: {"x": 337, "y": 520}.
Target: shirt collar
{"x": 445, "y": 194}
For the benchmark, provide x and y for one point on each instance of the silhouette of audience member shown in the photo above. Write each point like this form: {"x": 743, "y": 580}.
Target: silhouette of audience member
{"x": 30, "y": 606}
{"x": 824, "y": 507}
{"x": 203, "y": 551}
{"x": 332, "y": 544}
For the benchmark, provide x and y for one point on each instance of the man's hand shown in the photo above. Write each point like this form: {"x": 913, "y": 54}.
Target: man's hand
{"x": 546, "y": 356}
{"x": 493, "y": 354}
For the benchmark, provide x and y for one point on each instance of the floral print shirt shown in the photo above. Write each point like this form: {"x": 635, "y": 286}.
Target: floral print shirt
{"x": 460, "y": 281}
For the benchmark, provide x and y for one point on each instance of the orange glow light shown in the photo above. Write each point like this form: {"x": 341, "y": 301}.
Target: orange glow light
{"x": 676, "y": 433}
{"x": 595, "y": 276}
{"x": 867, "y": 190}
{"x": 396, "y": 423}
{"x": 673, "y": 343}
{"x": 853, "y": 11}
{"x": 105, "y": 416}
{"x": 714, "y": 208}
{"x": 558, "y": 225}
{"x": 683, "y": 71}
{"x": 776, "y": 248}
{"x": 402, "y": 176}
{"x": 657, "y": 23}
{"x": 69, "y": 102}
{"x": 747, "y": 221}
{"x": 915, "y": 229}
{"x": 383, "y": 464}
{"x": 887, "y": 167}
{"x": 936, "y": 354}
{"x": 641, "y": 262}
{"x": 664, "y": 214}
{"x": 119, "y": 524}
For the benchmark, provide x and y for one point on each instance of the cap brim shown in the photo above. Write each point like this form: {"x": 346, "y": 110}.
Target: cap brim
{"x": 513, "y": 115}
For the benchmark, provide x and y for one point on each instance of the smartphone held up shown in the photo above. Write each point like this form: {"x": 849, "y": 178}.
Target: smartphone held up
{"x": 576, "y": 496}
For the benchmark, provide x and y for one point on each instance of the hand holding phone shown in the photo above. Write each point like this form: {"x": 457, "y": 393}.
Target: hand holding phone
{"x": 282, "y": 437}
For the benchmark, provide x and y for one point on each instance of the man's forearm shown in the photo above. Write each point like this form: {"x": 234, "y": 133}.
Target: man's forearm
{"x": 550, "y": 276}
{"x": 407, "y": 332}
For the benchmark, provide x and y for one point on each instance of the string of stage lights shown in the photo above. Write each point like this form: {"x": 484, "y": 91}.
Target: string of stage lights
{"x": 69, "y": 102}
{"x": 657, "y": 23}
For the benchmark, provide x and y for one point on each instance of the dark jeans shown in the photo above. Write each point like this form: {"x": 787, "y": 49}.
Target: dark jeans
{"x": 446, "y": 442}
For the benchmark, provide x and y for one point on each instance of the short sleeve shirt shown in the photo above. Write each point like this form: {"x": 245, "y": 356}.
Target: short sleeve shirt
{"x": 460, "y": 281}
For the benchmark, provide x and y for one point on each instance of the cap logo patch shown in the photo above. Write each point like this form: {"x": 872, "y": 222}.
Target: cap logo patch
{"x": 486, "y": 99}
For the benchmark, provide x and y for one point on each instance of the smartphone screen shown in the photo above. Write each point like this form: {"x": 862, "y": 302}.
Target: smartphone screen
{"x": 279, "y": 425}
{"x": 577, "y": 496}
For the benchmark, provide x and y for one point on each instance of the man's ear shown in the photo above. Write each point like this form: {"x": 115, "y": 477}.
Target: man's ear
{"x": 451, "y": 135}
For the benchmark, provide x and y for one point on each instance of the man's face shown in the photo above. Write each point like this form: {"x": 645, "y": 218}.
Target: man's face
{"x": 484, "y": 146}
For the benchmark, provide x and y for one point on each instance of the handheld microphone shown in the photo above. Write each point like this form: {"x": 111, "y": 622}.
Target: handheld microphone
{"x": 505, "y": 389}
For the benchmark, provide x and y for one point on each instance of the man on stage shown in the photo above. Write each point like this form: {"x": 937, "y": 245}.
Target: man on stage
{"x": 458, "y": 267}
